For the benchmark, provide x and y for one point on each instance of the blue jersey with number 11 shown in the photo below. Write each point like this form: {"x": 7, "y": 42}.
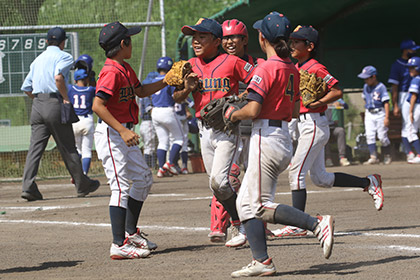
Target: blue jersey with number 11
{"x": 82, "y": 99}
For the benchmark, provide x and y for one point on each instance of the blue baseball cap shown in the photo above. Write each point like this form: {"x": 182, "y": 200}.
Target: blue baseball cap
{"x": 273, "y": 25}
{"x": 80, "y": 74}
{"x": 367, "y": 72}
{"x": 409, "y": 45}
{"x": 57, "y": 34}
{"x": 205, "y": 25}
{"x": 305, "y": 32}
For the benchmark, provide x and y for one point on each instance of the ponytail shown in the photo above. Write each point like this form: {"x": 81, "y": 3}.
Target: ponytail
{"x": 281, "y": 47}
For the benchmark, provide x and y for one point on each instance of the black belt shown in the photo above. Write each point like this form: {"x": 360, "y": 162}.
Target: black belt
{"x": 276, "y": 123}
{"x": 52, "y": 94}
{"x": 375, "y": 110}
{"x": 304, "y": 114}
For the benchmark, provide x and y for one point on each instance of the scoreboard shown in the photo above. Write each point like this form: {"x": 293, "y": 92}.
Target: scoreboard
{"x": 17, "y": 51}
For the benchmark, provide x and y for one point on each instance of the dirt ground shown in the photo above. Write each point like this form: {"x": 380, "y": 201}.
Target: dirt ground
{"x": 65, "y": 237}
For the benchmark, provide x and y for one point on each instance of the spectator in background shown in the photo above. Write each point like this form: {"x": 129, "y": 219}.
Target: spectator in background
{"x": 338, "y": 133}
{"x": 46, "y": 85}
{"x": 400, "y": 79}
{"x": 81, "y": 96}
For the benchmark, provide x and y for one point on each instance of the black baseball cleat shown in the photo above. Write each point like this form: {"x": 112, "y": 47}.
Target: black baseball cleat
{"x": 94, "y": 185}
{"x": 30, "y": 196}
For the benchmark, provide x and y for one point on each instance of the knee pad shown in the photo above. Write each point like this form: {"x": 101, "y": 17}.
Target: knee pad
{"x": 222, "y": 191}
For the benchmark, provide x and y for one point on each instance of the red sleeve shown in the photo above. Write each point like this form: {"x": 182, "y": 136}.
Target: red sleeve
{"x": 109, "y": 82}
{"x": 328, "y": 78}
{"x": 243, "y": 70}
{"x": 260, "y": 82}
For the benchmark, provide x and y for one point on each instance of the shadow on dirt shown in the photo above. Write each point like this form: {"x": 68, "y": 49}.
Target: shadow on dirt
{"x": 43, "y": 266}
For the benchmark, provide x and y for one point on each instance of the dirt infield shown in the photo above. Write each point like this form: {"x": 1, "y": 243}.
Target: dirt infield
{"x": 65, "y": 237}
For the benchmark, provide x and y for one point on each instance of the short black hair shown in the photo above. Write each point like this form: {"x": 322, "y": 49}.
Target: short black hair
{"x": 114, "y": 51}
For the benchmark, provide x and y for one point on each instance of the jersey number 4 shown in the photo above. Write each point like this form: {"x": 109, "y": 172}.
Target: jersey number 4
{"x": 290, "y": 91}
{"x": 79, "y": 101}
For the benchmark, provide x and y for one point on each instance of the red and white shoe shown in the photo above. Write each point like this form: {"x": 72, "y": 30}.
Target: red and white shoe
{"x": 375, "y": 190}
{"x": 163, "y": 173}
{"x": 217, "y": 236}
{"x": 324, "y": 231}
{"x": 184, "y": 171}
{"x": 171, "y": 168}
{"x": 127, "y": 251}
{"x": 289, "y": 231}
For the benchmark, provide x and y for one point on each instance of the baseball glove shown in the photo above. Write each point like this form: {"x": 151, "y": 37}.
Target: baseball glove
{"x": 213, "y": 114}
{"x": 311, "y": 87}
{"x": 175, "y": 76}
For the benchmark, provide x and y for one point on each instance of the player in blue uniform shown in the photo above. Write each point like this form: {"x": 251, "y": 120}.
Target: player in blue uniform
{"x": 166, "y": 123}
{"x": 414, "y": 100}
{"x": 81, "y": 96}
{"x": 376, "y": 114}
{"x": 400, "y": 79}
{"x": 183, "y": 114}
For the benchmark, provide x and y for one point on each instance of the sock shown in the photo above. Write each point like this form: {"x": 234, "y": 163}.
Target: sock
{"x": 161, "y": 155}
{"x": 230, "y": 206}
{"x": 117, "y": 215}
{"x": 184, "y": 157}
{"x": 174, "y": 153}
{"x": 255, "y": 234}
{"x": 133, "y": 213}
{"x": 349, "y": 181}
{"x": 416, "y": 145}
{"x": 386, "y": 150}
{"x": 299, "y": 199}
{"x": 290, "y": 216}
{"x": 86, "y": 165}
{"x": 372, "y": 149}
{"x": 406, "y": 145}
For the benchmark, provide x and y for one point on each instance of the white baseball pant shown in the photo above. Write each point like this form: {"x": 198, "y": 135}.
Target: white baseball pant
{"x": 309, "y": 156}
{"x": 184, "y": 126}
{"x": 83, "y": 133}
{"x": 167, "y": 126}
{"x": 374, "y": 125}
{"x": 123, "y": 166}
{"x": 270, "y": 152}
{"x": 414, "y": 126}
{"x": 405, "y": 113}
{"x": 218, "y": 151}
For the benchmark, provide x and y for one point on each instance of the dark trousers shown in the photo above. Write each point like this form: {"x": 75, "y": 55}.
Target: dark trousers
{"x": 46, "y": 121}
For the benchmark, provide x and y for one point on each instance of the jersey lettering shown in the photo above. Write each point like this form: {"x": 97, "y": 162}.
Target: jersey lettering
{"x": 290, "y": 88}
{"x": 126, "y": 94}
{"x": 214, "y": 84}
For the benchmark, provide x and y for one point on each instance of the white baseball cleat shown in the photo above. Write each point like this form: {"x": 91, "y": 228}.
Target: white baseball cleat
{"x": 410, "y": 157}
{"x": 171, "y": 168}
{"x": 217, "y": 237}
{"x": 375, "y": 190}
{"x": 139, "y": 240}
{"x": 127, "y": 251}
{"x": 371, "y": 160}
{"x": 387, "y": 159}
{"x": 414, "y": 160}
{"x": 256, "y": 268}
{"x": 344, "y": 162}
{"x": 184, "y": 171}
{"x": 163, "y": 173}
{"x": 289, "y": 231}
{"x": 238, "y": 237}
{"x": 324, "y": 231}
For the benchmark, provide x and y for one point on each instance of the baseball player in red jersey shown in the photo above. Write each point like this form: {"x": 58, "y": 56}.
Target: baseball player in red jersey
{"x": 128, "y": 175}
{"x": 314, "y": 134}
{"x": 219, "y": 76}
{"x": 273, "y": 97}
{"x": 234, "y": 42}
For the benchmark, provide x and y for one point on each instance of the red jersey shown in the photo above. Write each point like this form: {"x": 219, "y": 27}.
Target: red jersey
{"x": 313, "y": 66}
{"x": 119, "y": 81}
{"x": 277, "y": 81}
{"x": 218, "y": 78}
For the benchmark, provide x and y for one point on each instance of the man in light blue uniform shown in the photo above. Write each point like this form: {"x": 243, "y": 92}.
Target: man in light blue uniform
{"x": 46, "y": 85}
{"x": 167, "y": 125}
{"x": 400, "y": 79}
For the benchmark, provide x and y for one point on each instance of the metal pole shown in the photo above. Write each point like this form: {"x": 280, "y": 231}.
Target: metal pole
{"x": 162, "y": 18}
{"x": 146, "y": 35}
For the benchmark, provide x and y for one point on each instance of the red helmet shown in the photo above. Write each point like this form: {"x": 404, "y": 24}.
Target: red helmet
{"x": 234, "y": 27}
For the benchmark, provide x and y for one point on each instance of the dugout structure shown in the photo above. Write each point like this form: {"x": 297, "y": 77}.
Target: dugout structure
{"x": 23, "y": 37}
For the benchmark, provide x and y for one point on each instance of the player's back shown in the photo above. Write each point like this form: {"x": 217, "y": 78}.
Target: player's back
{"x": 163, "y": 97}
{"x": 82, "y": 99}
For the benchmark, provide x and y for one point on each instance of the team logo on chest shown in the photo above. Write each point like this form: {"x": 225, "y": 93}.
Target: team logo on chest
{"x": 126, "y": 94}
{"x": 214, "y": 84}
